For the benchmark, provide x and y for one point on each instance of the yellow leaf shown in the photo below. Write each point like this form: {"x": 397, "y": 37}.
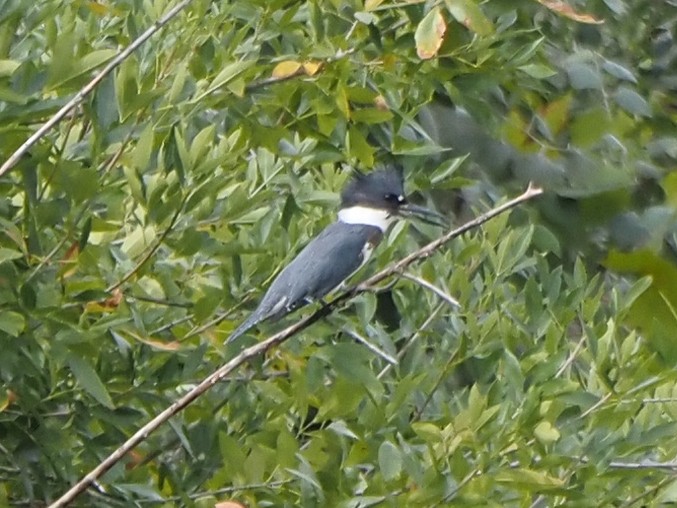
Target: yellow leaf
{"x": 286, "y": 69}
{"x": 380, "y": 103}
{"x": 342, "y": 101}
{"x": 568, "y": 12}
{"x": 96, "y": 308}
{"x": 312, "y": 68}
{"x": 101, "y": 9}
{"x": 158, "y": 344}
{"x": 228, "y": 504}
{"x": 556, "y": 113}
{"x": 370, "y": 5}
{"x": 546, "y": 433}
{"x": 430, "y": 34}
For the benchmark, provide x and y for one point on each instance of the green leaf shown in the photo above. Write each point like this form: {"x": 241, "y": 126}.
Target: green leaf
{"x": 7, "y": 67}
{"x": 528, "y": 479}
{"x": 179, "y": 83}
{"x": 359, "y": 147}
{"x": 636, "y": 290}
{"x": 371, "y": 115}
{"x": 135, "y": 183}
{"x": 430, "y": 34}
{"x": 583, "y": 76}
{"x": 94, "y": 59}
{"x": 144, "y": 148}
{"x": 89, "y": 380}
{"x": 389, "y": 461}
{"x": 545, "y": 240}
{"x": 632, "y": 102}
{"x": 538, "y": 71}
{"x": 9, "y": 254}
{"x": 9, "y": 95}
{"x": 427, "y": 431}
{"x": 138, "y": 240}
{"x": 201, "y": 142}
{"x": 589, "y": 126}
{"x": 470, "y": 15}
{"x": 619, "y": 71}
{"x": 12, "y": 322}
{"x": 227, "y": 74}
{"x": 546, "y": 433}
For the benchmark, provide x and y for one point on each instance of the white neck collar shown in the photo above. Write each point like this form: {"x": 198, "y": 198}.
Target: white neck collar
{"x": 367, "y": 216}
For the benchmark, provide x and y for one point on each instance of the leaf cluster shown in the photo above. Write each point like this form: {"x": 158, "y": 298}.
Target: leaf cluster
{"x": 136, "y": 234}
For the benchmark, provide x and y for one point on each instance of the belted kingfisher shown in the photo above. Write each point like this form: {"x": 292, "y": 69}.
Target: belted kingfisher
{"x": 370, "y": 203}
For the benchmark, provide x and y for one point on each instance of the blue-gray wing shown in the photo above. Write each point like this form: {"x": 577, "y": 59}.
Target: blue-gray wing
{"x": 328, "y": 260}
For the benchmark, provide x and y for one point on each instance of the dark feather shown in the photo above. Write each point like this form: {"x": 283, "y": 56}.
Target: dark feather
{"x": 328, "y": 260}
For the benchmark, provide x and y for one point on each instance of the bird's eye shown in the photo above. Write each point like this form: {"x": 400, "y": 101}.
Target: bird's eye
{"x": 395, "y": 198}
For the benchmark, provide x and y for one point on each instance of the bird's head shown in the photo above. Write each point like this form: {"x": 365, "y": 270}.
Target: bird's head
{"x": 377, "y": 198}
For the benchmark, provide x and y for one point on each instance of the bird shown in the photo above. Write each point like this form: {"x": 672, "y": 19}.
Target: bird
{"x": 370, "y": 203}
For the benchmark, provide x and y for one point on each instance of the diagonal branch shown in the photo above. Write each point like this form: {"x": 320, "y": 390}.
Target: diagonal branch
{"x": 153, "y": 249}
{"x": 431, "y": 287}
{"x": 87, "y": 89}
{"x": 278, "y": 338}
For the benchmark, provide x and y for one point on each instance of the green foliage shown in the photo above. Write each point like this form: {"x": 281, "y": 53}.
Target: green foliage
{"x": 136, "y": 235}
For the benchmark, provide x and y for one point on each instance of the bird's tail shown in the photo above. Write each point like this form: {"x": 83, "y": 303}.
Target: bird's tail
{"x": 246, "y": 325}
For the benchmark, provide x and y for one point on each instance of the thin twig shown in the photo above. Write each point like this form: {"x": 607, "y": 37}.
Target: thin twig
{"x": 644, "y": 464}
{"x": 572, "y": 356}
{"x": 640, "y": 497}
{"x": 650, "y": 400}
{"x": 152, "y": 250}
{"x": 431, "y": 287}
{"x": 87, "y": 89}
{"x": 171, "y": 324}
{"x": 638, "y": 466}
{"x": 273, "y": 80}
{"x": 599, "y": 403}
{"x": 211, "y": 493}
{"x": 371, "y": 347}
{"x": 413, "y": 339}
{"x": 438, "y": 383}
{"x": 215, "y": 377}
{"x": 48, "y": 258}
{"x": 472, "y": 474}
{"x": 160, "y": 301}
{"x": 262, "y": 347}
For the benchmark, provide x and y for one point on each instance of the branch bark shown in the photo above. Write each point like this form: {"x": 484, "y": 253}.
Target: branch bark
{"x": 87, "y": 89}
{"x": 278, "y": 338}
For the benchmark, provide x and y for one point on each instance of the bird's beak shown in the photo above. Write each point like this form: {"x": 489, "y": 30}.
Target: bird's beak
{"x": 423, "y": 214}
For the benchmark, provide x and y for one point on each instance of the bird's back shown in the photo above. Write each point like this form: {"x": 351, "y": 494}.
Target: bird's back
{"x": 329, "y": 259}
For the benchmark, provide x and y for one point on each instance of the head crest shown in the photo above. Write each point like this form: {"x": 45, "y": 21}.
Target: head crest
{"x": 370, "y": 189}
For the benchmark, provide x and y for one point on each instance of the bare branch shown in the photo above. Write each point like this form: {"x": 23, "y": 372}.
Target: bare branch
{"x": 371, "y": 347}
{"x": 443, "y": 375}
{"x": 427, "y": 285}
{"x": 412, "y": 339}
{"x": 639, "y": 465}
{"x": 650, "y": 400}
{"x": 596, "y": 406}
{"x": 258, "y": 349}
{"x": 153, "y": 249}
{"x": 211, "y": 493}
{"x": 644, "y": 464}
{"x": 572, "y": 356}
{"x": 87, "y": 89}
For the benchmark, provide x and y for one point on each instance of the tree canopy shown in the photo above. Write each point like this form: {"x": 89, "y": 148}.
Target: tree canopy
{"x": 140, "y": 230}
